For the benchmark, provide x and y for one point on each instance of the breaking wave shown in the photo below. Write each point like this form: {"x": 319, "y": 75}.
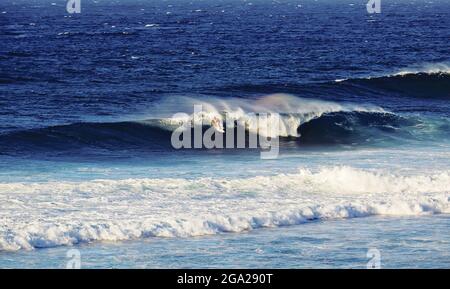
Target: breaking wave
{"x": 302, "y": 121}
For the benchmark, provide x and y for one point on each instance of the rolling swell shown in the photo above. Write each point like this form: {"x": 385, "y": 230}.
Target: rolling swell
{"x": 86, "y": 136}
{"x": 418, "y": 85}
{"x": 333, "y": 128}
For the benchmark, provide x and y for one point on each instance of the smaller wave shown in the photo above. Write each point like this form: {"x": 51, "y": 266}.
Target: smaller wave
{"x": 430, "y": 81}
{"x": 427, "y": 81}
{"x": 425, "y": 68}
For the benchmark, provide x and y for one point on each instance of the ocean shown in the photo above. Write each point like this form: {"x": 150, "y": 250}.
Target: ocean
{"x": 89, "y": 102}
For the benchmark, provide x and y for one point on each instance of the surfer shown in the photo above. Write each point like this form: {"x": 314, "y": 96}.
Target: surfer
{"x": 217, "y": 124}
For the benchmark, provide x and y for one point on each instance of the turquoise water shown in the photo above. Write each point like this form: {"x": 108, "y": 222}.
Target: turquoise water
{"x": 403, "y": 242}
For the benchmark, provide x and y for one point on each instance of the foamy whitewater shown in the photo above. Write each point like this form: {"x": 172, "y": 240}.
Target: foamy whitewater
{"x": 38, "y": 215}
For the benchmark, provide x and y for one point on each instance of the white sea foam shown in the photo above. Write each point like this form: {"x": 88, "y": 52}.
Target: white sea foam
{"x": 35, "y": 215}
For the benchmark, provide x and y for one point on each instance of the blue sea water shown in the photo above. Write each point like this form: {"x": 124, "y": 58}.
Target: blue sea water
{"x": 86, "y": 158}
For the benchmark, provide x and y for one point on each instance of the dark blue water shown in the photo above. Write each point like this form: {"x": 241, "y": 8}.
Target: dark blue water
{"x": 84, "y": 156}
{"x": 116, "y": 59}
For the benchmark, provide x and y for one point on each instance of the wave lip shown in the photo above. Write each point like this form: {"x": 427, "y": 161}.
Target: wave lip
{"x": 66, "y": 213}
